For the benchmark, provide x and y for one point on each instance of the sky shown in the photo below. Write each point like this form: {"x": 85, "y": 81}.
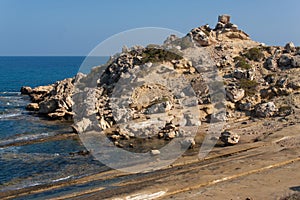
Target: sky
{"x": 76, "y": 27}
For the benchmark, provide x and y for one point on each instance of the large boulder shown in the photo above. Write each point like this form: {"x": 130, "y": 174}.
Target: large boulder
{"x": 243, "y": 74}
{"x": 284, "y": 60}
{"x": 295, "y": 61}
{"x": 266, "y": 110}
{"x": 235, "y": 94}
{"x": 225, "y": 19}
{"x": 229, "y": 138}
{"x": 201, "y": 36}
{"x": 48, "y": 106}
{"x": 25, "y": 90}
{"x": 33, "y": 107}
{"x": 290, "y": 47}
{"x": 271, "y": 63}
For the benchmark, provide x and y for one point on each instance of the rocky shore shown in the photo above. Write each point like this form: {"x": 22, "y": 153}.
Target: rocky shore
{"x": 260, "y": 81}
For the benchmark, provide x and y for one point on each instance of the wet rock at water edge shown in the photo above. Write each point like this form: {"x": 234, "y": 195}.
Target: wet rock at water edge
{"x": 33, "y": 107}
{"x": 25, "y": 90}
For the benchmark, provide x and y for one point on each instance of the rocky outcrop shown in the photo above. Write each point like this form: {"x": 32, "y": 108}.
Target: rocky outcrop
{"x": 224, "y": 30}
{"x": 253, "y": 77}
{"x": 25, "y": 90}
{"x": 53, "y": 101}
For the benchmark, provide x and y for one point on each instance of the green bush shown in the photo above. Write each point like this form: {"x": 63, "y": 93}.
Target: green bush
{"x": 156, "y": 55}
{"x": 242, "y": 63}
{"x": 250, "y": 86}
{"x": 254, "y": 54}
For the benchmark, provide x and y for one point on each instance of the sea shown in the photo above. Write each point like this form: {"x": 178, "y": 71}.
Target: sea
{"x": 28, "y": 157}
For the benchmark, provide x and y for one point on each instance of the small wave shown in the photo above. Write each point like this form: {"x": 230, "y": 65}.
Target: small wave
{"x": 61, "y": 179}
{"x": 5, "y": 116}
{"x": 25, "y": 138}
{"x": 27, "y": 184}
{"x": 13, "y": 100}
{"x": 11, "y": 97}
{"x": 33, "y": 184}
{"x": 10, "y": 94}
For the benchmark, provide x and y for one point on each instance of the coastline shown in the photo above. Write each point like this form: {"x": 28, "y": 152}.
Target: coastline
{"x": 260, "y": 139}
{"x": 222, "y": 168}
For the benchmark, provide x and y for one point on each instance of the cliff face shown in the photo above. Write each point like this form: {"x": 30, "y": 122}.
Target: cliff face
{"x": 260, "y": 81}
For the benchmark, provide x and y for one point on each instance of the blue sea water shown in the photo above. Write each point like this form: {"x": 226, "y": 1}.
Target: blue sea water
{"x": 35, "y": 71}
{"x": 33, "y": 164}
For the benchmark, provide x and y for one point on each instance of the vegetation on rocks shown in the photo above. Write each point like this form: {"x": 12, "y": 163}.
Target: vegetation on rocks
{"x": 156, "y": 55}
{"x": 250, "y": 86}
{"x": 242, "y": 63}
{"x": 254, "y": 54}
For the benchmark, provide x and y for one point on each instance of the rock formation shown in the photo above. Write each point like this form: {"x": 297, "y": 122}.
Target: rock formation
{"x": 53, "y": 101}
{"x": 259, "y": 80}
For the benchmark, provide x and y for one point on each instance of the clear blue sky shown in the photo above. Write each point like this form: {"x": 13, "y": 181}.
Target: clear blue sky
{"x": 75, "y": 27}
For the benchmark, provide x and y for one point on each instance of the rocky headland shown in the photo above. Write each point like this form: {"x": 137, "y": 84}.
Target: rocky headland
{"x": 260, "y": 82}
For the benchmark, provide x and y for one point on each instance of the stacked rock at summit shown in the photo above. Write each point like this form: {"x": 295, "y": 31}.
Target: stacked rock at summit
{"x": 224, "y": 30}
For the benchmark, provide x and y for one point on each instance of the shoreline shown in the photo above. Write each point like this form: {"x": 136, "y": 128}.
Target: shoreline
{"x": 260, "y": 154}
{"x": 265, "y": 156}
